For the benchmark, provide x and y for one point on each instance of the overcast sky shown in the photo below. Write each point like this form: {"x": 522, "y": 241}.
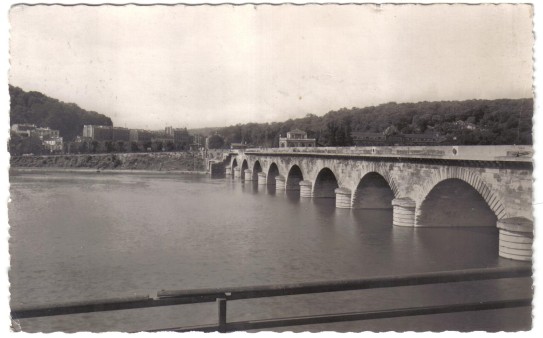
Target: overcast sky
{"x": 198, "y": 66}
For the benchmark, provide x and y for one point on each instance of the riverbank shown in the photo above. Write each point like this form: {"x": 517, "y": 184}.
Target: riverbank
{"x": 174, "y": 162}
{"x": 104, "y": 171}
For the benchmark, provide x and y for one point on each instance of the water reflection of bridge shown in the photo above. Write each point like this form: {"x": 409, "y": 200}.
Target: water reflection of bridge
{"x": 424, "y": 186}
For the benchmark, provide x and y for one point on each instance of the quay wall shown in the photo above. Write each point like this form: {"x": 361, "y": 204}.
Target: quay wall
{"x": 167, "y": 161}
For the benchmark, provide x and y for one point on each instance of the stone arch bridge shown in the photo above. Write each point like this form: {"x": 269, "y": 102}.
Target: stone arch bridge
{"x": 424, "y": 186}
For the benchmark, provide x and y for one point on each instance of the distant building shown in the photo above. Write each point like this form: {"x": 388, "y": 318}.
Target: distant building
{"x": 296, "y": 138}
{"x": 140, "y": 135}
{"x": 395, "y": 138}
{"x": 120, "y": 134}
{"x": 50, "y": 138}
{"x": 106, "y": 133}
{"x": 53, "y": 144}
{"x": 23, "y": 129}
{"x": 88, "y": 131}
{"x": 45, "y": 133}
{"x": 181, "y": 136}
{"x": 164, "y": 138}
{"x": 368, "y": 138}
{"x": 32, "y": 130}
{"x": 169, "y": 130}
{"x": 421, "y": 139}
{"x": 199, "y": 140}
{"x": 97, "y": 133}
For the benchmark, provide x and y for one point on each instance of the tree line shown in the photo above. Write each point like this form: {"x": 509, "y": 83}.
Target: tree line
{"x": 470, "y": 122}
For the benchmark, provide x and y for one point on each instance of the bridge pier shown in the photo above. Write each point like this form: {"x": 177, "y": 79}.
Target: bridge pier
{"x": 403, "y": 212}
{"x": 237, "y": 173}
{"x": 305, "y": 189}
{"x": 228, "y": 171}
{"x": 516, "y": 238}
{"x": 248, "y": 175}
{"x": 343, "y": 198}
{"x": 280, "y": 183}
{"x": 262, "y": 179}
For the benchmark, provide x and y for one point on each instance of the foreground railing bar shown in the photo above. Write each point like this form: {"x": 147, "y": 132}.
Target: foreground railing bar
{"x": 355, "y": 316}
{"x": 234, "y": 293}
{"x": 106, "y": 305}
{"x": 168, "y": 298}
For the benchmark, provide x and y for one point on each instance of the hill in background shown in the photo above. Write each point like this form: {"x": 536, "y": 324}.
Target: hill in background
{"x": 471, "y": 122}
{"x": 43, "y": 111}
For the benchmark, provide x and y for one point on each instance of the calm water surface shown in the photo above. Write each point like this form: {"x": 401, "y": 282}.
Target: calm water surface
{"x": 87, "y": 236}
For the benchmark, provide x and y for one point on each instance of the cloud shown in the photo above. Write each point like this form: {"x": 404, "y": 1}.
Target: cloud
{"x": 217, "y": 65}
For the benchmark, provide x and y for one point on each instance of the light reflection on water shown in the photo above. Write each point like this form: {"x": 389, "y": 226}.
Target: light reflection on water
{"x": 92, "y": 236}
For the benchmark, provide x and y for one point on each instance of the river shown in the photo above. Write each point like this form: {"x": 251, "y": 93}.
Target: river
{"x": 87, "y": 236}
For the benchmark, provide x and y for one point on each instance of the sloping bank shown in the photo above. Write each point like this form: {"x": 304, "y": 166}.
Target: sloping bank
{"x": 174, "y": 161}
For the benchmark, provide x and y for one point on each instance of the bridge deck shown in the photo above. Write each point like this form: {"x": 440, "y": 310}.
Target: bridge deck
{"x": 466, "y": 153}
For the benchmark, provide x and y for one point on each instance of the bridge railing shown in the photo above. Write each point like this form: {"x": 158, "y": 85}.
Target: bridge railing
{"x": 475, "y": 153}
{"x": 222, "y": 295}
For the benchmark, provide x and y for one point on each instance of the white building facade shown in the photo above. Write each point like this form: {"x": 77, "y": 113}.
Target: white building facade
{"x": 297, "y": 138}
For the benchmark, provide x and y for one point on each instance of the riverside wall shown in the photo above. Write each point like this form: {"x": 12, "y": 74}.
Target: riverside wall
{"x": 167, "y": 161}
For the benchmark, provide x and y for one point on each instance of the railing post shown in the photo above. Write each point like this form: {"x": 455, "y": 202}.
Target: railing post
{"x": 221, "y": 302}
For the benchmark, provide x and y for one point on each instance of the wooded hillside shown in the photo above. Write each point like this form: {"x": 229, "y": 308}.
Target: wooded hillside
{"x": 504, "y": 121}
{"x": 43, "y": 111}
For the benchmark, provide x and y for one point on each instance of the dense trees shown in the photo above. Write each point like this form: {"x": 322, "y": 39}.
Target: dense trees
{"x": 25, "y": 145}
{"x": 36, "y": 108}
{"x": 215, "y": 142}
{"x": 503, "y": 121}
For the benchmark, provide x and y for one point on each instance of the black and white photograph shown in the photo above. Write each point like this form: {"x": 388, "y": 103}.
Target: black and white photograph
{"x": 356, "y": 167}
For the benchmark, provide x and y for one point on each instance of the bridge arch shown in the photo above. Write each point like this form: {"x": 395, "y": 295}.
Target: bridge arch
{"x": 325, "y": 184}
{"x": 233, "y": 165}
{"x": 257, "y": 168}
{"x": 468, "y": 176}
{"x": 373, "y": 191}
{"x": 273, "y": 172}
{"x": 244, "y": 166}
{"x": 382, "y": 169}
{"x": 454, "y": 203}
{"x": 294, "y": 177}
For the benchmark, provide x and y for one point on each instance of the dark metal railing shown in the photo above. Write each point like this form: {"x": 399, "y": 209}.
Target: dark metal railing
{"x": 222, "y": 295}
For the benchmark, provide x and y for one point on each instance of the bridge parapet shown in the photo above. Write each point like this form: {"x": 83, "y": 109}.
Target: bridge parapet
{"x": 506, "y": 153}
